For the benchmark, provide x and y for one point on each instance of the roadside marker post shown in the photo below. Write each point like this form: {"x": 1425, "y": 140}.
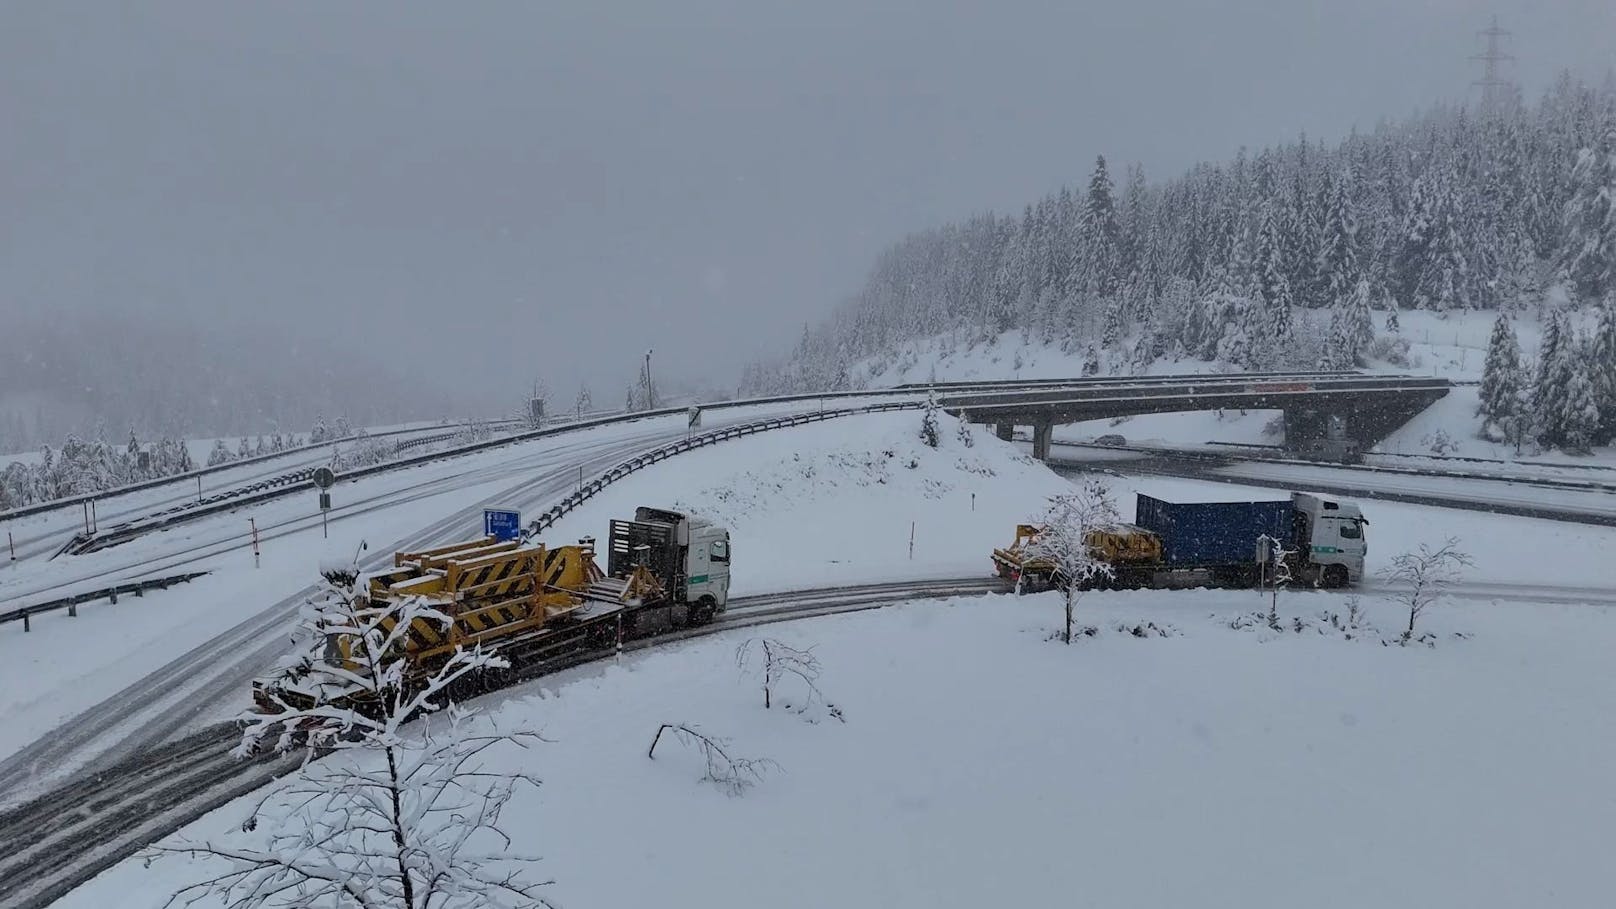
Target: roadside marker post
{"x": 11, "y": 545}
{"x": 253, "y": 523}
{"x": 325, "y": 478}
{"x": 911, "y": 541}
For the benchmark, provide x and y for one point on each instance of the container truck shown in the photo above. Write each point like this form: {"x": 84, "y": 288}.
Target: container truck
{"x": 1211, "y": 544}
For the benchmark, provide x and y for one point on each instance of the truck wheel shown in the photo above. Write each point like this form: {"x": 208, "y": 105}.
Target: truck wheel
{"x": 1335, "y": 576}
{"x": 703, "y": 611}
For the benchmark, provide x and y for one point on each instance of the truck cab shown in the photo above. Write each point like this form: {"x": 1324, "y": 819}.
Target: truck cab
{"x": 689, "y": 556}
{"x": 1331, "y": 534}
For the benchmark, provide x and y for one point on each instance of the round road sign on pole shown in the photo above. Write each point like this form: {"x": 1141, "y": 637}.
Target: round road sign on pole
{"x": 324, "y": 477}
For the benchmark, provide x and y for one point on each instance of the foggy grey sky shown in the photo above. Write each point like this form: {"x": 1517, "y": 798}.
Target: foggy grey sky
{"x": 561, "y": 185}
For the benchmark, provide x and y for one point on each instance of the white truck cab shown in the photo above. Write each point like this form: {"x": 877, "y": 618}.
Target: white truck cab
{"x": 690, "y": 556}
{"x": 1333, "y": 538}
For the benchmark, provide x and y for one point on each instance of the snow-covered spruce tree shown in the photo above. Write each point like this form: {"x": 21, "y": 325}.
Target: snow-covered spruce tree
{"x": 1112, "y": 331}
{"x": 1063, "y": 541}
{"x": 1337, "y": 265}
{"x": 321, "y": 432}
{"x": 929, "y": 433}
{"x": 1578, "y": 415}
{"x": 966, "y": 436}
{"x": 1549, "y": 384}
{"x": 1091, "y": 362}
{"x": 1352, "y": 329}
{"x": 1501, "y": 378}
{"x": 1589, "y": 254}
{"x": 1276, "y": 287}
{"x": 1445, "y": 281}
{"x": 1103, "y": 233}
{"x": 402, "y": 818}
{"x": 1602, "y": 369}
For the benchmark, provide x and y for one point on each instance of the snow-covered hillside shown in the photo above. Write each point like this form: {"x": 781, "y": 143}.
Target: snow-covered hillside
{"x": 834, "y": 503}
{"x": 1451, "y": 345}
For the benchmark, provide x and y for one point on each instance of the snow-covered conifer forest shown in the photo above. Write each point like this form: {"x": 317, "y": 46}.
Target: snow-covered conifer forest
{"x": 1511, "y": 209}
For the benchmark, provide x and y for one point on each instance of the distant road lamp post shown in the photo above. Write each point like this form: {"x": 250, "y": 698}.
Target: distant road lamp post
{"x": 650, "y": 389}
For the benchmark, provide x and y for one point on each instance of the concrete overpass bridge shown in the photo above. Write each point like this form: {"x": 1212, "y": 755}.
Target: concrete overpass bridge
{"x": 1325, "y": 413}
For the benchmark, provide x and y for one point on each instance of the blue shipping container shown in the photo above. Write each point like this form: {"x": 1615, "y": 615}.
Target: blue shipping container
{"x": 1214, "y": 533}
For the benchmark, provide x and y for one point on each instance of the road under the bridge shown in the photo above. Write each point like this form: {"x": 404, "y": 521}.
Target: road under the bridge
{"x": 1324, "y": 416}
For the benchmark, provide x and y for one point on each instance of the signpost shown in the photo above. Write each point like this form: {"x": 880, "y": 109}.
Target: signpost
{"x": 694, "y": 414}
{"x": 502, "y": 523}
{"x": 324, "y": 478}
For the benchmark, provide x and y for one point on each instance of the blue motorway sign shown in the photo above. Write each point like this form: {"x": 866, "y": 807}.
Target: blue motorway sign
{"x": 502, "y": 523}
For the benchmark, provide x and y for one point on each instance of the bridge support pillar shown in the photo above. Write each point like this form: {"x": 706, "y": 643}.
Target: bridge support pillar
{"x": 1006, "y": 431}
{"x": 1042, "y": 435}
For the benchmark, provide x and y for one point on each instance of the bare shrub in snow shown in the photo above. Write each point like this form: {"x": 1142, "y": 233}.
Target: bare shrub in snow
{"x": 727, "y": 771}
{"x": 1147, "y": 629}
{"x": 1439, "y": 442}
{"x": 1392, "y": 348}
{"x": 398, "y": 818}
{"x": 1277, "y": 573}
{"x": 1425, "y": 575}
{"x": 1063, "y": 541}
{"x": 1354, "y": 624}
{"x": 780, "y": 661}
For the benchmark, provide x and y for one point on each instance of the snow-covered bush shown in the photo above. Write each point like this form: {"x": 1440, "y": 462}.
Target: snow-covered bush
{"x": 1439, "y": 442}
{"x": 1063, "y": 542}
{"x": 1391, "y": 349}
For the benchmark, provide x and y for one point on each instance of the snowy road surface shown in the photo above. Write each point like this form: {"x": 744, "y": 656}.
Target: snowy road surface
{"x": 120, "y": 678}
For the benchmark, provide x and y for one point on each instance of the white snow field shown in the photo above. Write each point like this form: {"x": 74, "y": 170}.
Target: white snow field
{"x": 981, "y": 764}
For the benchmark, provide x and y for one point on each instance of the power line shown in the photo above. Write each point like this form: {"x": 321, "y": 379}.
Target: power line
{"x": 1495, "y": 89}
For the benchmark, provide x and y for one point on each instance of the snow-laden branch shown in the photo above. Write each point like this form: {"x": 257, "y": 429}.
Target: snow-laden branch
{"x": 403, "y": 818}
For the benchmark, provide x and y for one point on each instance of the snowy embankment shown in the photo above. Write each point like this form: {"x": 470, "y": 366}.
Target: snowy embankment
{"x": 983, "y": 765}
{"x": 834, "y": 503}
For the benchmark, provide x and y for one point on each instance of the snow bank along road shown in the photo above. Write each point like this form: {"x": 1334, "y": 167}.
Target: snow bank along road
{"x": 68, "y": 836}
{"x": 177, "y": 549}
{"x": 42, "y": 529}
